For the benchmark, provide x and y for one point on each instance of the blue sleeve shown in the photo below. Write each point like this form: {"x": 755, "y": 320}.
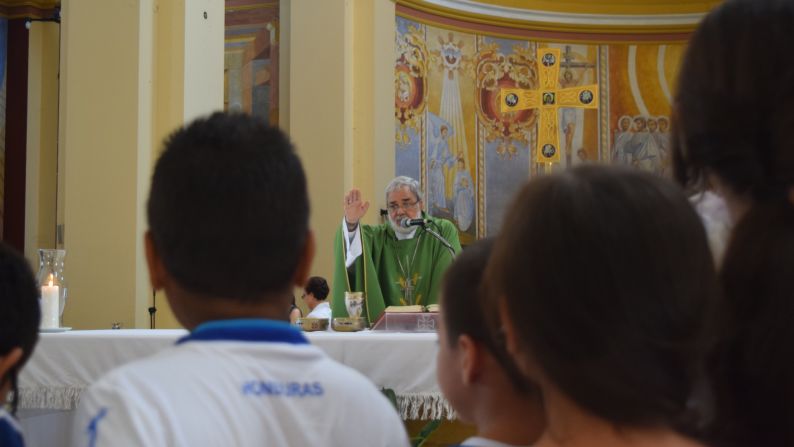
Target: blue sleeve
{"x": 9, "y": 435}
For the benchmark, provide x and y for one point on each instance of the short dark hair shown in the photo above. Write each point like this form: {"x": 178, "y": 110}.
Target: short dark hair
{"x": 20, "y": 313}
{"x": 723, "y": 120}
{"x": 228, "y": 208}
{"x": 318, "y": 287}
{"x": 608, "y": 280}
{"x": 466, "y": 312}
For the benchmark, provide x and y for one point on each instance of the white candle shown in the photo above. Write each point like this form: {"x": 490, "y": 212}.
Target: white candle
{"x": 50, "y": 306}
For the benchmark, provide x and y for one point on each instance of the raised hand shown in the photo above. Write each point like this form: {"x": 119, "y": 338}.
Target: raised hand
{"x": 355, "y": 208}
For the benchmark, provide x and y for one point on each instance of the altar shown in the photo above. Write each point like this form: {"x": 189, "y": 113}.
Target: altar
{"x": 65, "y": 364}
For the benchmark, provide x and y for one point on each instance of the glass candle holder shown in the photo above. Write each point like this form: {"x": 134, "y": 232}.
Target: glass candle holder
{"x": 53, "y": 287}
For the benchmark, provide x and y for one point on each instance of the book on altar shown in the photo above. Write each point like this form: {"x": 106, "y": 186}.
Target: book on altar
{"x": 404, "y": 309}
{"x": 412, "y": 309}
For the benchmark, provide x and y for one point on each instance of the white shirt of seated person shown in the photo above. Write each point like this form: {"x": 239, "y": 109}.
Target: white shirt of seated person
{"x": 323, "y": 310}
{"x": 317, "y": 308}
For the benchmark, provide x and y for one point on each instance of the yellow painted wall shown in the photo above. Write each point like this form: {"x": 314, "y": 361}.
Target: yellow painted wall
{"x": 340, "y": 112}
{"x": 120, "y": 95}
{"x": 42, "y": 137}
{"x": 168, "y": 113}
{"x": 99, "y": 121}
{"x": 320, "y": 104}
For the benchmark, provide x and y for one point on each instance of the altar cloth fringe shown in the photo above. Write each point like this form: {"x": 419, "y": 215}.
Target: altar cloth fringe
{"x": 415, "y": 406}
{"x": 424, "y": 406}
{"x": 50, "y": 398}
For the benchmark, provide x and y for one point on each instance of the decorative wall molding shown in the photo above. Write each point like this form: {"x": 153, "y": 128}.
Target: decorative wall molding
{"x": 562, "y": 20}
{"x": 38, "y": 9}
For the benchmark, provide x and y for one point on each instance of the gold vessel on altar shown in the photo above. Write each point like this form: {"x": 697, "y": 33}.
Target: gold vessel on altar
{"x": 348, "y": 324}
{"x": 312, "y": 324}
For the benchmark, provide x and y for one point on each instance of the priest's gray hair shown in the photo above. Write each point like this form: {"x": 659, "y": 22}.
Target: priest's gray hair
{"x": 401, "y": 182}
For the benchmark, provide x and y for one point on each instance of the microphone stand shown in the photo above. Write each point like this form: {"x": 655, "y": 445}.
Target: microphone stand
{"x": 441, "y": 239}
{"x": 153, "y": 310}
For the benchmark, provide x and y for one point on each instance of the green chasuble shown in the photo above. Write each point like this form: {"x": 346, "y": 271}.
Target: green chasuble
{"x": 393, "y": 272}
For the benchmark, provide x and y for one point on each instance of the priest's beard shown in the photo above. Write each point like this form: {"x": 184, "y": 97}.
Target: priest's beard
{"x": 395, "y": 225}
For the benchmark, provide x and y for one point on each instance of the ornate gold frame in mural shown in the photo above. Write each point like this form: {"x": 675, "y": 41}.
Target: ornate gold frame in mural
{"x": 495, "y": 72}
{"x": 410, "y": 84}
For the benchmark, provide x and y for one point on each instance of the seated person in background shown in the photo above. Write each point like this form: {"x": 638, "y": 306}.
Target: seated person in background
{"x": 314, "y": 295}
{"x": 393, "y": 264}
{"x": 618, "y": 351}
{"x": 243, "y": 376}
{"x": 19, "y": 332}
{"x": 749, "y": 158}
{"x": 474, "y": 372}
{"x": 294, "y": 312}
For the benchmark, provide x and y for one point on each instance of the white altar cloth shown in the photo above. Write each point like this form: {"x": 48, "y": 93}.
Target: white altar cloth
{"x": 64, "y": 364}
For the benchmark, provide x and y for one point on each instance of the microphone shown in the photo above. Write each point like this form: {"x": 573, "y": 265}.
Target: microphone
{"x": 408, "y": 223}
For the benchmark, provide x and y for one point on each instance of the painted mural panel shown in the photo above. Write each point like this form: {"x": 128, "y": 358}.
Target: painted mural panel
{"x": 251, "y": 58}
{"x": 505, "y": 137}
{"x": 641, "y": 82}
{"x": 471, "y": 158}
{"x": 410, "y": 97}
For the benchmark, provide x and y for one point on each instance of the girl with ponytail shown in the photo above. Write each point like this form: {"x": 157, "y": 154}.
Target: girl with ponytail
{"x": 733, "y": 132}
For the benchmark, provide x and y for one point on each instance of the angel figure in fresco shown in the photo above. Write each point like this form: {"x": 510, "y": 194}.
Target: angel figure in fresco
{"x": 464, "y": 197}
{"x": 441, "y": 161}
{"x": 403, "y": 87}
{"x": 621, "y": 141}
{"x": 506, "y": 150}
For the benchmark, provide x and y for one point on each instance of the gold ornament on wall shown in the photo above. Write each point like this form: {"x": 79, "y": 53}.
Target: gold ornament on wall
{"x": 496, "y": 71}
{"x": 410, "y": 84}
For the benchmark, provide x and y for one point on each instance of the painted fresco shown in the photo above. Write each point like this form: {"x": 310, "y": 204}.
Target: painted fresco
{"x": 251, "y": 58}
{"x": 450, "y": 133}
{"x": 641, "y": 82}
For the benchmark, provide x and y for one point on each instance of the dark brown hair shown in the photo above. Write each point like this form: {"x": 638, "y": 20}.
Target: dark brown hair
{"x": 466, "y": 312}
{"x": 318, "y": 287}
{"x": 733, "y": 118}
{"x": 19, "y": 313}
{"x": 733, "y": 113}
{"x": 608, "y": 279}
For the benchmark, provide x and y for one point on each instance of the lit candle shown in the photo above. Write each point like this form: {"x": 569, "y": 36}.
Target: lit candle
{"x": 50, "y": 306}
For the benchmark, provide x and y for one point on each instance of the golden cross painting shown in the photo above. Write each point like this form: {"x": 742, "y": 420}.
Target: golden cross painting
{"x": 548, "y": 99}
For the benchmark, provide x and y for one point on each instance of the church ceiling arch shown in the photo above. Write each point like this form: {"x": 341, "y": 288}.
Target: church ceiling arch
{"x": 610, "y": 17}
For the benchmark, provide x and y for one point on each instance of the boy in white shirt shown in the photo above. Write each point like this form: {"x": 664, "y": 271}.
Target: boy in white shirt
{"x": 474, "y": 371}
{"x": 244, "y": 376}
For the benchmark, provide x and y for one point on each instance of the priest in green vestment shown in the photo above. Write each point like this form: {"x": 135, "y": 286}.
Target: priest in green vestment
{"x": 393, "y": 264}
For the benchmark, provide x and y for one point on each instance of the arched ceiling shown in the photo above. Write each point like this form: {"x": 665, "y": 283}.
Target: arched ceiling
{"x": 607, "y": 16}
{"x": 632, "y": 7}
